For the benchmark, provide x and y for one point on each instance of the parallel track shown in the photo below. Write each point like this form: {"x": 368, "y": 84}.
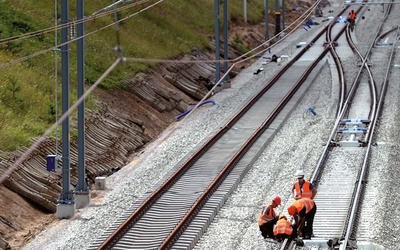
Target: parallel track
{"x": 176, "y": 214}
{"x": 340, "y": 180}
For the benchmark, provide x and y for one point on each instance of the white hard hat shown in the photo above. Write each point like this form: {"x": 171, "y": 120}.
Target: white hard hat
{"x": 299, "y": 173}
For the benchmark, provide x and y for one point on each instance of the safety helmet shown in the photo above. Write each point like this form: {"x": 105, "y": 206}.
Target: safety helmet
{"x": 291, "y": 210}
{"x": 299, "y": 174}
{"x": 282, "y": 216}
{"x": 277, "y": 200}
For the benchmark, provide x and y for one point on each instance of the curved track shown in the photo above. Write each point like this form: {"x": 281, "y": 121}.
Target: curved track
{"x": 176, "y": 213}
{"x": 341, "y": 180}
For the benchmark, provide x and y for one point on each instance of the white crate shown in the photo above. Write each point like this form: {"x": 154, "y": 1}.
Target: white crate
{"x": 100, "y": 183}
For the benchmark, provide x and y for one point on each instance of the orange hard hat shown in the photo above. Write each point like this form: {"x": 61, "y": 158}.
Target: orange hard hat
{"x": 277, "y": 200}
{"x": 292, "y": 210}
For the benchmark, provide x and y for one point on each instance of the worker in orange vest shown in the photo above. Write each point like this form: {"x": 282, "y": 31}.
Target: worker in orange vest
{"x": 352, "y": 19}
{"x": 303, "y": 188}
{"x": 284, "y": 229}
{"x": 303, "y": 212}
{"x": 267, "y": 217}
{"x": 352, "y": 15}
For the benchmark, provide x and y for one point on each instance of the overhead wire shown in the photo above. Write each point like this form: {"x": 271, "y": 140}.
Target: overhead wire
{"x": 59, "y": 27}
{"x": 42, "y": 138}
{"x": 36, "y": 144}
{"x": 120, "y": 59}
{"x": 239, "y": 59}
{"x": 6, "y": 64}
{"x": 292, "y": 27}
{"x": 302, "y": 18}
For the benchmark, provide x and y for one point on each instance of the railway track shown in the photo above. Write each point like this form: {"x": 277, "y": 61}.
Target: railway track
{"x": 341, "y": 180}
{"x": 176, "y": 213}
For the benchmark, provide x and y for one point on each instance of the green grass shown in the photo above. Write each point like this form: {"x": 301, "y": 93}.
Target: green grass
{"x": 27, "y": 88}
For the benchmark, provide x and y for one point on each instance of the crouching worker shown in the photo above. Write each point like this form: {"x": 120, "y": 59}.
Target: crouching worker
{"x": 268, "y": 218}
{"x": 303, "y": 212}
{"x": 285, "y": 230}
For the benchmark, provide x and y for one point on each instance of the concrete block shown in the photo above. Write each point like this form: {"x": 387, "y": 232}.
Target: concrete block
{"x": 65, "y": 211}
{"x": 100, "y": 183}
{"x": 82, "y": 200}
{"x": 286, "y": 57}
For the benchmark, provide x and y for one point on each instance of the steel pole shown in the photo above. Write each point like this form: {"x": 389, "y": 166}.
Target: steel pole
{"x": 81, "y": 185}
{"x": 226, "y": 66}
{"x": 266, "y": 20}
{"x": 283, "y": 14}
{"x": 217, "y": 42}
{"x": 66, "y": 194}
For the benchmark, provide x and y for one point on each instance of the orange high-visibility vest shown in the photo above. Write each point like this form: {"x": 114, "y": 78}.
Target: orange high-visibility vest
{"x": 283, "y": 227}
{"x": 304, "y": 202}
{"x": 305, "y": 191}
{"x": 264, "y": 217}
{"x": 352, "y": 15}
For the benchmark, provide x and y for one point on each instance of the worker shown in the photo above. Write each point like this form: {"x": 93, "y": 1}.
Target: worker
{"x": 267, "y": 218}
{"x": 284, "y": 229}
{"x": 352, "y": 19}
{"x": 303, "y": 188}
{"x": 303, "y": 212}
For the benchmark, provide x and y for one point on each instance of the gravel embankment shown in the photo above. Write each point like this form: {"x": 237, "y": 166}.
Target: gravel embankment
{"x": 295, "y": 146}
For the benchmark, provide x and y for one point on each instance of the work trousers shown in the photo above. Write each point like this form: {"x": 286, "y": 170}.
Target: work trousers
{"x": 267, "y": 229}
{"x": 352, "y": 24}
{"x": 281, "y": 237}
{"x": 307, "y": 229}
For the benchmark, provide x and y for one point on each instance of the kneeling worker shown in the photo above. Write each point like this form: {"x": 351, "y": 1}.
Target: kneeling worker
{"x": 284, "y": 229}
{"x": 268, "y": 218}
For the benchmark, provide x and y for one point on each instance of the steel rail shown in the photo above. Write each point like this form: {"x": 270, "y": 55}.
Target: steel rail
{"x": 139, "y": 212}
{"x": 372, "y": 85}
{"x": 317, "y": 171}
{"x": 332, "y": 44}
{"x": 134, "y": 217}
{"x": 107, "y": 244}
{"x": 375, "y": 109}
{"x": 365, "y": 165}
{"x": 365, "y": 65}
{"x": 228, "y": 167}
{"x": 329, "y": 47}
{"x": 235, "y": 159}
{"x": 319, "y": 168}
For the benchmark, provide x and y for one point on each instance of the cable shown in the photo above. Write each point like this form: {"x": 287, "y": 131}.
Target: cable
{"x": 35, "y": 145}
{"x": 3, "y": 65}
{"x": 59, "y": 27}
{"x": 305, "y": 15}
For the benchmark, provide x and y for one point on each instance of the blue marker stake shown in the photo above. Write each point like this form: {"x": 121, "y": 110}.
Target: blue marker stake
{"x": 312, "y": 111}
